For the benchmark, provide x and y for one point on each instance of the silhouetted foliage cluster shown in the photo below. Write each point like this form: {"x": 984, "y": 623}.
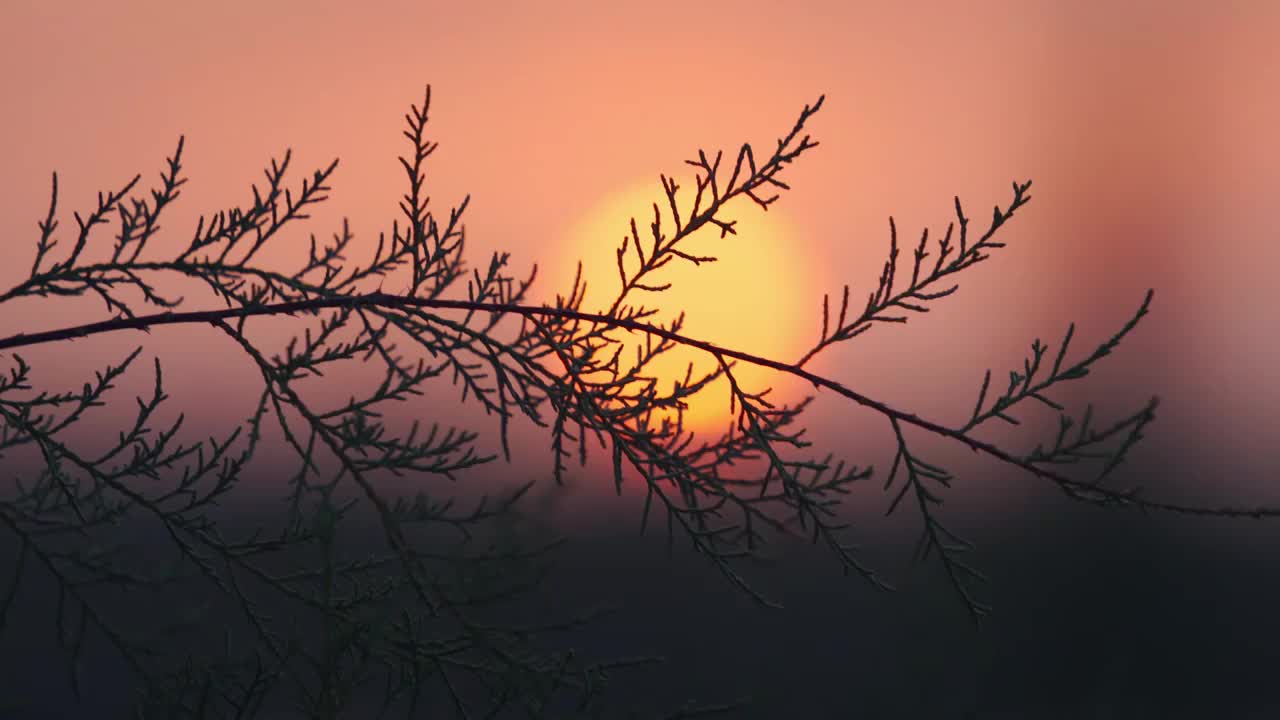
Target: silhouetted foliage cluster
{"x": 323, "y": 627}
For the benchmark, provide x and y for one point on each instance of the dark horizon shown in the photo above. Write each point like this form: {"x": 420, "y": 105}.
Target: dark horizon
{"x": 1096, "y": 611}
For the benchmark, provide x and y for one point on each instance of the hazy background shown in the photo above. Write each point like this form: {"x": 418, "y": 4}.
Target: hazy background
{"x": 1148, "y": 128}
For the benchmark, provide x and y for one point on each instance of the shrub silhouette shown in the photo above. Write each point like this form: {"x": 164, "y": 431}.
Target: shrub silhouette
{"x": 307, "y": 623}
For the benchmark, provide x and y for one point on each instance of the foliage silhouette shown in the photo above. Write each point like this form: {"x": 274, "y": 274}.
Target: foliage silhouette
{"x": 323, "y": 629}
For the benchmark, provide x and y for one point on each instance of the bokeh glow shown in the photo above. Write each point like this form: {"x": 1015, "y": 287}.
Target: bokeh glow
{"x": 750, "y": 299}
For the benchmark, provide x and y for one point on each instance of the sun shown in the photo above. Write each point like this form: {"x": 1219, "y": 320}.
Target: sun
{"x": 753, "y": 298}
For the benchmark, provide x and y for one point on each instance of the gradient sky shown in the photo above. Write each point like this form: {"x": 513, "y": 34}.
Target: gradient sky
{"x": 1147, "y": 127}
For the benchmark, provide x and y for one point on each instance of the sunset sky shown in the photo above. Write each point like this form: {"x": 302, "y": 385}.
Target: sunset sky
{"x": 1149, "y": 128}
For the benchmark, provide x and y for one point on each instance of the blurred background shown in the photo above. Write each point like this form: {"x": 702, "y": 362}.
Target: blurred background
{"x": 1147, "y": 127}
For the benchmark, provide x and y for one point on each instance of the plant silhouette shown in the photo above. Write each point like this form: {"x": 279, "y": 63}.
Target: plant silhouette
{"x": 307, "y": 624}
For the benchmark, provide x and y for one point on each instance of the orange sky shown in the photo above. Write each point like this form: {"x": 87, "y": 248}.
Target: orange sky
{"x": 1148, "y": 128}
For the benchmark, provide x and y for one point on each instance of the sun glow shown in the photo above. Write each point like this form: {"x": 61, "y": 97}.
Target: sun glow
{"x": 750, "y": 299}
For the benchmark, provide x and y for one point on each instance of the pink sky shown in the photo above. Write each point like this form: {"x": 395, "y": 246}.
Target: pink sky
{"x": 1148, "y": 128}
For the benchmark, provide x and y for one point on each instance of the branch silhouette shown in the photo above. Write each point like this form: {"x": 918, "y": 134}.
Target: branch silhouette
{"x": 411, "y": 618}
{"x": 1077, "y": 489}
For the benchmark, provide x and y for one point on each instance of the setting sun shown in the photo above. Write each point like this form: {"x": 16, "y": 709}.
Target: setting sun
{"x": 750, "y": 299}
